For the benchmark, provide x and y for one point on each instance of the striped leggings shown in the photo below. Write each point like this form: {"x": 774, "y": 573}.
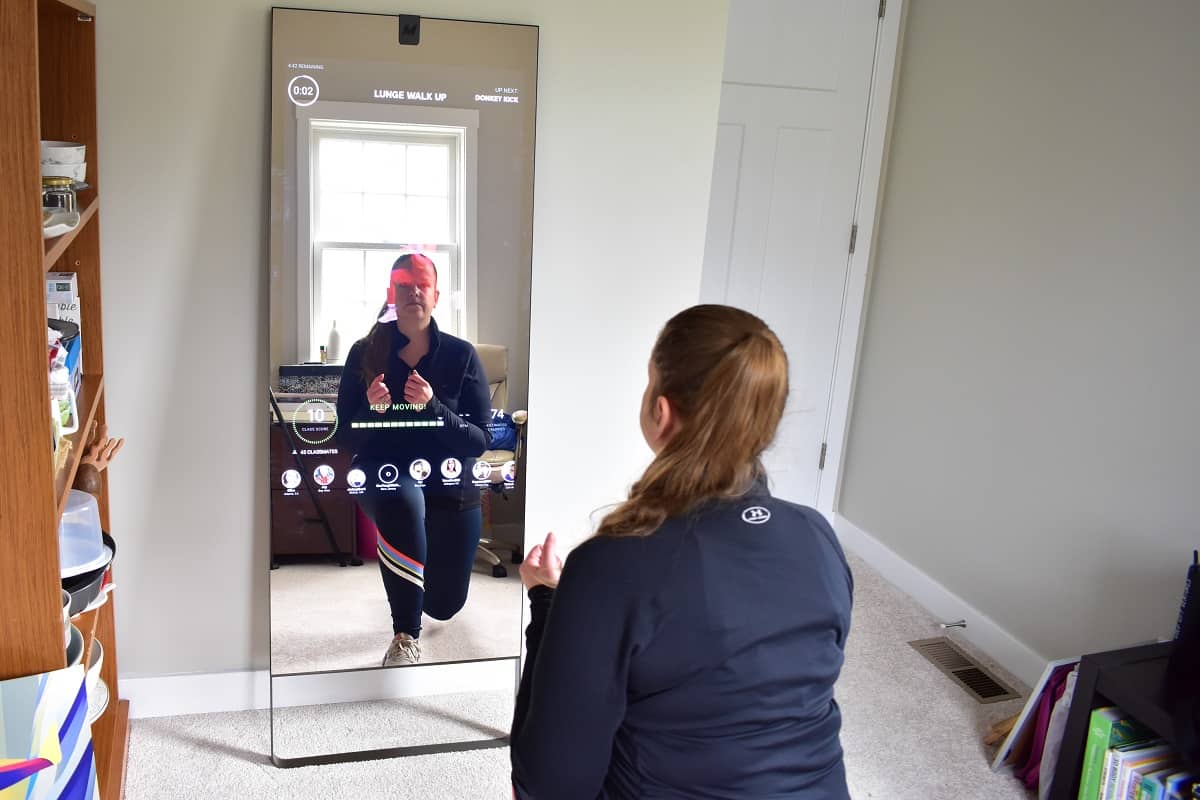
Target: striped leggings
{"x": 426, "y": 553}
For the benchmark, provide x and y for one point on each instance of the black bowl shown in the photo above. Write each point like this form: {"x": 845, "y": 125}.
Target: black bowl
{"x": 85, "y": 587}
{"x": 66, "y": 330}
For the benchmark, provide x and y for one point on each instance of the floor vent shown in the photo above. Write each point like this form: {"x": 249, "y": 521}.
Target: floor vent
{"x": 964, "y": 670}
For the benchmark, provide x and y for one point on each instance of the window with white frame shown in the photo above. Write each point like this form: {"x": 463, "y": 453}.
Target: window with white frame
{"x": 380, "y": 189}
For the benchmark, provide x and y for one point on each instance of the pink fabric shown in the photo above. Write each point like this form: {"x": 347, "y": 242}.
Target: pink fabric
{"x": 1030, "y": 770}
{"x": 367, "y": 535}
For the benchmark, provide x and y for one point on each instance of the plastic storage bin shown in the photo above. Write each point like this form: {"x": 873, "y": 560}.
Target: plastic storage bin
{"x": 80, "y": 540}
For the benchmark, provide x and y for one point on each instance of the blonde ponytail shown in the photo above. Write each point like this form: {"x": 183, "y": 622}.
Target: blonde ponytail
{"x": 725, "y": 374}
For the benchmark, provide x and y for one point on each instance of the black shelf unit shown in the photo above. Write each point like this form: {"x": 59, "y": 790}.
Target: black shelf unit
{"x": 1133, "y": 679}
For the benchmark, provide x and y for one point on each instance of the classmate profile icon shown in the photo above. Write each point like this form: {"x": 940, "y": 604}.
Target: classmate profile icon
{"x": 356, "y": 478}
{"x": 482, "y": 471}
{"x": 290, "y": 479}
{"x": 509, "y": 472}
{"x": 451, "y": 469}
{"x": 323, "y": 475}
{"x": 419, "y": 470}
{"x": 389, "y": 474}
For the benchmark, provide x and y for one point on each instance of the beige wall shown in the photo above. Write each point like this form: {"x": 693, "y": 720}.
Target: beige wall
{"x": 1025, "y": 426}
{"x": 627, "y": 108}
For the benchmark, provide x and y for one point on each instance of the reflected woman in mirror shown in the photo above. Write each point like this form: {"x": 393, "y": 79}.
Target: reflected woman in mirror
{"x": 690, "y": 648}
{"x": 411, "y": 398}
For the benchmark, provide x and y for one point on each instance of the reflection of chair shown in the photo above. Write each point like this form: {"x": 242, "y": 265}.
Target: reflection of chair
{"x": 494, "y": 358}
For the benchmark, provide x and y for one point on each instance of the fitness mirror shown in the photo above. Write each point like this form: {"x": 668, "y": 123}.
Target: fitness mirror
{"x": 400, "y": 253}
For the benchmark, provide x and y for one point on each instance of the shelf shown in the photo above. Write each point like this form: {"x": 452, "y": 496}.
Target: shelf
{"x": 1138, "y": 689}
{"x": 82, "y": 6}
{"x": 57, "y": 246}
{"x": 49, "y": 90}
{"x": 111, "y": 731}
{"x": 1131, "y": 679}
{"x": 88, "y": 399}
{"x": 112, "y": 774}
{"x": 85, "y": 621}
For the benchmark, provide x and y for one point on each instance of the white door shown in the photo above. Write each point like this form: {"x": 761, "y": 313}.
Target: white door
{"x": 785, "y": 182}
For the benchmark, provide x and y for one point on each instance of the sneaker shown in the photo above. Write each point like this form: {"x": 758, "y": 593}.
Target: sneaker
{"x": 404, "y": 649}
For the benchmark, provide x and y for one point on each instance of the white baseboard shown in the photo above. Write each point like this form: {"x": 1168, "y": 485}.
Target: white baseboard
{"x": 981, "y": 631}
{"x": 195, "y": 693}
{"x": 207, "y": 693}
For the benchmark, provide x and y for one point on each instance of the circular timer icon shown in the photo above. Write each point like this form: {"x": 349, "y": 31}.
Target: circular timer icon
{"x": 303, "y": 90}
{"x": 311, "y": 413}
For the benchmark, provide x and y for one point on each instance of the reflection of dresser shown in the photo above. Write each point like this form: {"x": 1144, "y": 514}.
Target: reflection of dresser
{"x": 295, "y": 525}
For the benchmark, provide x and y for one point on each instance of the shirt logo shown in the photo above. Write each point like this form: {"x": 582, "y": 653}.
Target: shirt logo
{"x": 756, "y": 515}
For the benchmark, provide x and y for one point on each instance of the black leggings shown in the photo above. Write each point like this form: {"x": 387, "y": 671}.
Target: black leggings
{"x": 426, "y": 553}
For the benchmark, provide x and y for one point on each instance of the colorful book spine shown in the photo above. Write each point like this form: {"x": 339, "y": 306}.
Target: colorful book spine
{"x": 1154, "y": 785}
{"x": 1108, "y": 727}
{"x": 1150, "y": 760}
{"x": 1179, "y": 786}
{"x": 1120, "y": 760}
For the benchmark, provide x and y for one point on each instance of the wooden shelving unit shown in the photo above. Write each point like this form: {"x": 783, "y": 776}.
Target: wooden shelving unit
{"x": 48, "y": 82}
{"x": 57, "y": 246}
{"x": 89, "y": 399}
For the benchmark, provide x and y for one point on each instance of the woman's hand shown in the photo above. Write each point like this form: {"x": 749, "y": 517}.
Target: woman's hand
{"x": 417, "y": 390}
{"x": 378, "y": 395}
{"x": 542, "y": 566}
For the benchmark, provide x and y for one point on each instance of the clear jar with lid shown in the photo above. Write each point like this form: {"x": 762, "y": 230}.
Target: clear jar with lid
{"x": 58, "y": 193}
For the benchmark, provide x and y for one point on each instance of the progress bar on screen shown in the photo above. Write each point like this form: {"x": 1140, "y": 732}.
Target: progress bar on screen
{"x": 420, "y": 423}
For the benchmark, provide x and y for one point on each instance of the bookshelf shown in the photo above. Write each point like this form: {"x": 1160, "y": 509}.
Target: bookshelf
{"x": 48, "y": 81}
{"x": 1132, "y": 679}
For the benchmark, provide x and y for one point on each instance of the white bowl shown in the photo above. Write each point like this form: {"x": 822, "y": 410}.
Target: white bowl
{"x": 75, "y": 648}
{"x": 76, "y": 171}
{"x": 63, "y": 152}
{"x": 98, "y": 702}
{"x": 95, "y": 662}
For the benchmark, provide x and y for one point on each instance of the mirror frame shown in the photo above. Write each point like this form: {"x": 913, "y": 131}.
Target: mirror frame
{"x": 404, "y": 22}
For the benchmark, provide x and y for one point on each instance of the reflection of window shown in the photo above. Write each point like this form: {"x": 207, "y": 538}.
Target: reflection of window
{"x": 378, "y": 189}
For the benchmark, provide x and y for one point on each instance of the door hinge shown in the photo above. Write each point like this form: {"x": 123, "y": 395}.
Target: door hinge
{"x": 853, "y": 236}
{"x": 824, "y": 448}
{"x": 882, "y": 8}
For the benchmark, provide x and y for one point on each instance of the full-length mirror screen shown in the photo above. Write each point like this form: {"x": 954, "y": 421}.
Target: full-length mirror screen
{"x": 401, "y": 233}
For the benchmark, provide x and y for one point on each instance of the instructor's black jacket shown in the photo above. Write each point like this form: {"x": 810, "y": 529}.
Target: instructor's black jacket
{"x": 461, "y": 402}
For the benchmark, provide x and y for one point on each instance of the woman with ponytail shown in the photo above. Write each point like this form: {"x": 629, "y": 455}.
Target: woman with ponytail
{"x": 690, "y": 648}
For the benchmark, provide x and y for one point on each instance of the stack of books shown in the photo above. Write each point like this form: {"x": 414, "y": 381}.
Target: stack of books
{"x": 1124, "y": 761}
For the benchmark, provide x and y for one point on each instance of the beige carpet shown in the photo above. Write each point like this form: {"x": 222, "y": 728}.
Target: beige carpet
{"x": 909, "y": 733}
{"x": 326, "y": 617}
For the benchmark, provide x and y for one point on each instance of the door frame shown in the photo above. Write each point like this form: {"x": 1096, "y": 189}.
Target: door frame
{"x": 884, "y": 80}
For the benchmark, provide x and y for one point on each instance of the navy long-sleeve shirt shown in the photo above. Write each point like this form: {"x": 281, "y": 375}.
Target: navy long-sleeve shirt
{"x": 461, "y": 403}
{"x": 696, "y": 662}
